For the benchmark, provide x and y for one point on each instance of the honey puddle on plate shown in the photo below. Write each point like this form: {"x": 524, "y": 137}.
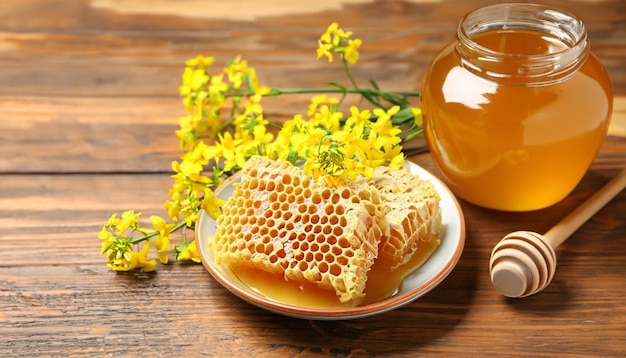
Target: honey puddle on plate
{"x": 380, "y": 283}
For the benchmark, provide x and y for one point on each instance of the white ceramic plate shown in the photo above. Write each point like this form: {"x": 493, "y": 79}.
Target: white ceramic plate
{"x": 415, "y": 285}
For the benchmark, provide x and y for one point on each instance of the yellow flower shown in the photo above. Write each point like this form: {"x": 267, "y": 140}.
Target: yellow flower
{"x": 256, "y": 86}
{"x": 251, "y": 125}
{"x": 163, "y": 238}
{"x": 236, "y": 70}
{"x": 417, "y": 114}
{"x": 233, "y": 158}
{"x": 121, "y": 257}
{"x": 325, "y": 50}
{"x": 397, "y": 158}
{"x": 173, "y": 207}
{"x": 212, "y": 204}
{"x": 187, "y": 251}
{"x": 217, "y": 89}
{"x": 139, "y": 259}
{"x": 351, "y": 52}
{"x": 321, "y": 99}
{"x": 129, "y": 219}
{"x": 200, "y": 62}
{"x": 330, "y": 33}
{"x": 336, "y": 40}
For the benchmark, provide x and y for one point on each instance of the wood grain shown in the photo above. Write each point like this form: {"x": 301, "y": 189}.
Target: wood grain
{"x": 88, "y": 109}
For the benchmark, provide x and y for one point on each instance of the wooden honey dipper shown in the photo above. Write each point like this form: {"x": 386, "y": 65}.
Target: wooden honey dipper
{"x": 523, "y": 262}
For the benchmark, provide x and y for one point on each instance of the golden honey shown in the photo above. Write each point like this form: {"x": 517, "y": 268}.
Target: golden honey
{"x": 516, "y": 109}
{"x": 382, "y": 282}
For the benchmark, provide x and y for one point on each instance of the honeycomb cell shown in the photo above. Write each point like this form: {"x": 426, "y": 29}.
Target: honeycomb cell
{"x": 342, "y": 221}
{"x": 270, "y": 186}
{"x": 325, "y": 247}
{"x": 323, "y": 267}
{"x": 344, "y": 243}
{"x": 307, "y": 193}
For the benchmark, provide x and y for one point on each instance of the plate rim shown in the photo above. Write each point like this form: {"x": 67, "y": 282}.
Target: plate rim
{"x": 370, "y": 309}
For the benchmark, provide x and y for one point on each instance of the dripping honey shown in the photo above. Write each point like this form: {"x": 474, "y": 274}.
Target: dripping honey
{"x": 514, "y": 146}
{"x": 381, "y": 283}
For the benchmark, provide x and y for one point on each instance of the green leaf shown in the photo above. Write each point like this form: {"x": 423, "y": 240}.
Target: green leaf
{"x": 402, "y": 117}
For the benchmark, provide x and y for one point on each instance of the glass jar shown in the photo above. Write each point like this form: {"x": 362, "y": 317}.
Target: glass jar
{"x": 515, "y": 110}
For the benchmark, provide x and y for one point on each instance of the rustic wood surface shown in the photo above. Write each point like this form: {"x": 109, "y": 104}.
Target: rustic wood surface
{"x": 88, "y": 109}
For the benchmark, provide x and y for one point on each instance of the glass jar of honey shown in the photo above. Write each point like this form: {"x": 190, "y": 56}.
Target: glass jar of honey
{"x": 515, "y": 110}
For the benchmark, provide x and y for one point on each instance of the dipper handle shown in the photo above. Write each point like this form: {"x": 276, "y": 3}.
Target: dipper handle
{"x": 566, "y": 227}
{"x": 523, "y": 262}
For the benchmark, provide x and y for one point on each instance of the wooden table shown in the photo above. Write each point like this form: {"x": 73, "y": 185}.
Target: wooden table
{"x": 88, "y": 109}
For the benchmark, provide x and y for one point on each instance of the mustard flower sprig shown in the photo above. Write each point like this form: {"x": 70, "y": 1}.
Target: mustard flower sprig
{"x": 237, "y": 88}
{"x": 225, "y": 125}
{"x": 125, "y": 251}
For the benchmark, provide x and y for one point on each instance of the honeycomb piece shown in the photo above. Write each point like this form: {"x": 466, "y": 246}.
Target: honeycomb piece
{"x": 281, "y": 221}
{"x": 412, "y": 215}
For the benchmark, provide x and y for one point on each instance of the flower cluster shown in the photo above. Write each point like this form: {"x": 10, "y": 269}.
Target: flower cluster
{"x": 225, "y": 125}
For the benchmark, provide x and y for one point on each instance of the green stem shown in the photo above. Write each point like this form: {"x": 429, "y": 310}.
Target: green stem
{"x": 361, "y": 91}
{"x": 155, "y": 233}
{"x": 348, "y": 73}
